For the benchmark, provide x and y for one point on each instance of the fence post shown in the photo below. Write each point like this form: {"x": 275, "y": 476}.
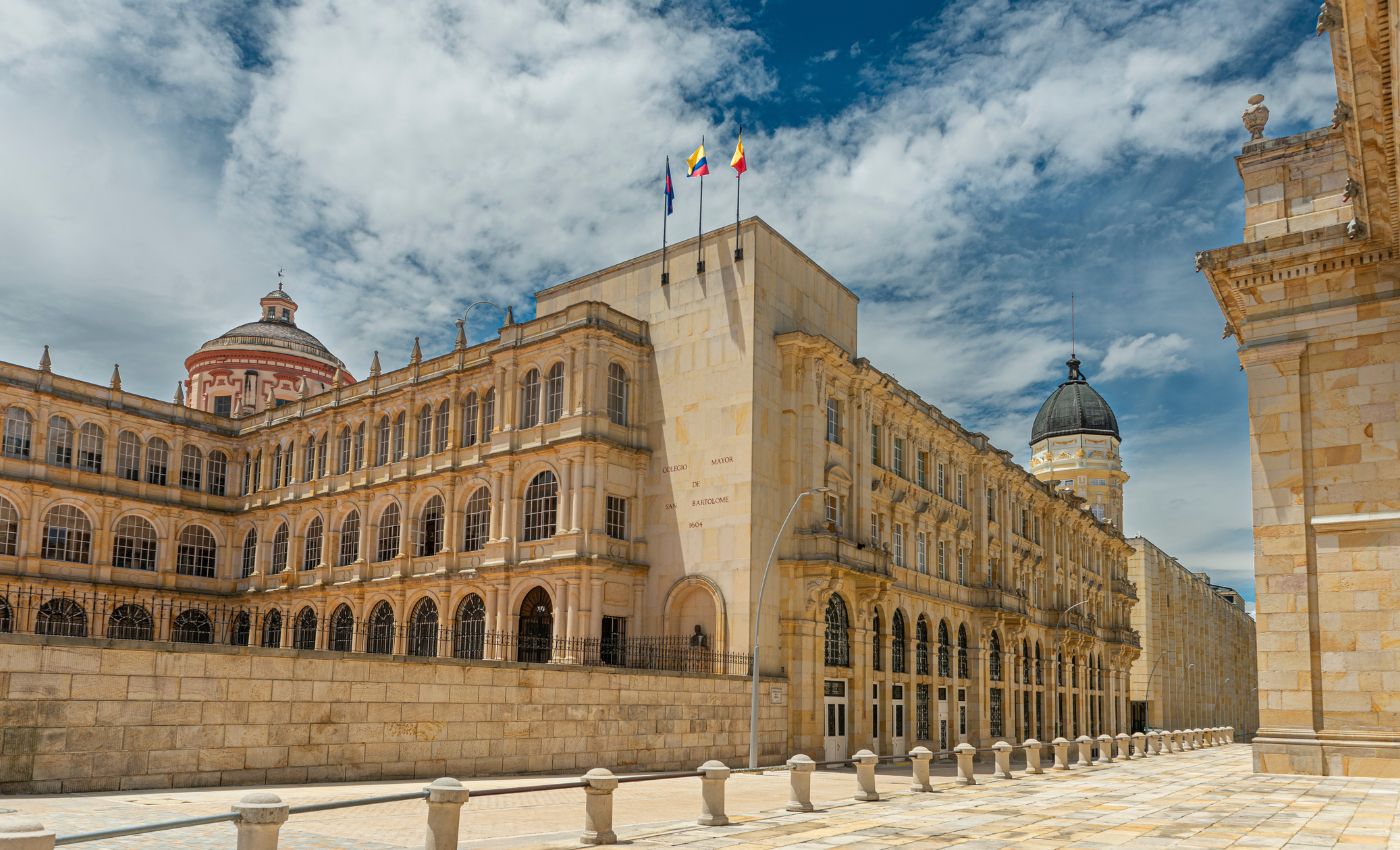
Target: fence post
{"x": 800, "y": 769}
{"x": 920, "y": 757}
{"x": 1032, "y": 756}
{"x": 1086, "y": 750}
{"x": 21, "y": 832}
{"x": 713, "y": 775}
{"x": 865, "y": 776}
{"x": 1061, "y": 747}
{"x": 965, "y": 752}
{"x": 1123, "y": 741}
{"x": 1001, "y": 754}
{"x": 260, "y": 817}
{"x": 445, "y": 799}
{"x": 1139, "y": 745}
{"x": 598, "y": 807}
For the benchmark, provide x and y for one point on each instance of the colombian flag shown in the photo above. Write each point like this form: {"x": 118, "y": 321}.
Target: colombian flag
{"x": 738, "y": 163}
{"x": 669, "y": 189}
{"x": 698, "y": 166}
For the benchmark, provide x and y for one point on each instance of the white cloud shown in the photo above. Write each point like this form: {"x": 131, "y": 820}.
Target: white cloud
{"x": 1149, "y": 355}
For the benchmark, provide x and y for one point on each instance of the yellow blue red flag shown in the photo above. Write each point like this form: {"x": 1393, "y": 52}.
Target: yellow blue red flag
{"x": 698, "y": 166}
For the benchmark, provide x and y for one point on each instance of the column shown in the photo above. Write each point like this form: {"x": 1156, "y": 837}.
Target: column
{"x": 575, "y": 651}
{"x": 497, "y": 507}
{"x": 562, "y": 518}
{"x": 595, "y": 609}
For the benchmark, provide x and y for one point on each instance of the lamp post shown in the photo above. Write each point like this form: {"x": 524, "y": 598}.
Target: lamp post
{"x": 1059, "y": 665}
{"x": 758, "y": 623}
{"x": 1147, "y": 697}
{"x": 468, "y": 312}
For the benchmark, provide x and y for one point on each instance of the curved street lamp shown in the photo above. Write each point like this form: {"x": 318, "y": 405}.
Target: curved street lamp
{"x": 466, "y": 314}
{"x": 1059, "y": 664}
{"x": 1147, "y": 697}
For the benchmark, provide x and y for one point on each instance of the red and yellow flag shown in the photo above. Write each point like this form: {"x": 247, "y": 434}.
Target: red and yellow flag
{"x": 738, "y": 163}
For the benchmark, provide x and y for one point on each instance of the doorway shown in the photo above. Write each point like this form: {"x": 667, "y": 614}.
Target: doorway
{"x": 535, "y": 639}
{"x": 834, "y": 740}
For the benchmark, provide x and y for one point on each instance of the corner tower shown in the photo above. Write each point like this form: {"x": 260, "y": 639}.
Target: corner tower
{"x": 1074, "y": 446}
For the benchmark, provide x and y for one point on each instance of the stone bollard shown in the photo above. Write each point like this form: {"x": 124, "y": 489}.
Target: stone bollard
{"x": 800, "y": 769}
{"x": 1197, "y": 739}
{"x": 1061, "y": 748}
{"x": 920, "y": 757}
{"x": 1033, "y": 757}
{"x": 1229, "y": 734}
{"x": 965, "y": 752}
{"x": 1220, "y": 736}
{"x": 1139, "y": 745}
{"x": 260, "y": 817}
{"x": 21, "y": 832}
{"x": 1174, "y": 741}
{"x": 598, "y": 807}
{"x": 1086, "y": 750}
{"x": 713, "y": 775}
{"x": 445, "y": 799}
{"x": 1207, "y": 738}
{"x": 1123, "y": 741}
{"x": 1001, "y": 754}
{"x": 865, "y": 776}
{"x": 1105, "y": 750}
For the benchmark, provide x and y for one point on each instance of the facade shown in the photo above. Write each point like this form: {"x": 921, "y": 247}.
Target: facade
{"x": 1197, "y": 665}
{"x": 600, "y": 485}
{"x": 1309, "y": 296}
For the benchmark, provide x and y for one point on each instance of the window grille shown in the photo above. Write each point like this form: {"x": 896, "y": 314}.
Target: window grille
{"x": 921, "y": 648}
{"x": 877, "y": 643}
{"x": 488, "y": 414}
{"x": 995, "y": 713}
{"x": 342, "y": 462}
{"x": 899, "y": 456}
{"x": 67, "y": 535}
{"x": 381, "y": 450}
{"x": 898, "y": 662}
{"x": 541, "y": 506}
{"x": 400, "y": 434}
{"x": 945, "y": 667}
{"x": 380, "y": 635}
{"x": 216, "y": 473}
{"x": 308, "y": 465}
{"x": 994, "y": 657}
{"x": 423, "y": 629}
{"x": 342, "y": 636}
{"x": 921, "y": 714}
{"x": 440, "y": 427}
{"x": 875, "y": 444}
{"x": 387, "y": 540}
{"x": 272, "y": 629}
{"x": 962, "y": 652}
{"x": 90, "y": 445}
{"x": 921, "y": 469}
{"x": 61, "y": 617}
{"x": 833, "y": 421}
{"x": 191, "y": 468}
{"x": 196, "y": 553}
{"x": 240, "y": 634}
{"x": 350, "y": 539}
{"x": 425, "y": 431}
{"x": 304, "y": 629}
{"x": 359, "y": 452}
{"x": 470, "y": 639}
{"x": 192, "y": 626}
{"x": 899, "y": 544}
{"x": 471, "y": 409}
{"x": 130, "y": 622}
{"x": 60, "y": 441}
{"x": 477, "y": 520}
{"x": 923, "y": 553}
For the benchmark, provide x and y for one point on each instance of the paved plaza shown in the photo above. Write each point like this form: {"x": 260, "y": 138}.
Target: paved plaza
{"x": 1202, "y": 799}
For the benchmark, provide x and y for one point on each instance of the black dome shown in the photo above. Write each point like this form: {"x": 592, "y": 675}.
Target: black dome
{"x": 1074, "y": 408}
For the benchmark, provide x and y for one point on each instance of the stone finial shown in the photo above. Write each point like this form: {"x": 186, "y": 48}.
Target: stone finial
{"x": 374, "y": 365}
{"x": 1355, "y": 229}
{"x": 116, "y": 383}
{"x": 1341, "y": 113}
{"x": 416, "y": 356}
{"x": 45, "y": 362}
{"x": 1328, "y": 18}
{"x": 1255, "y": 116}
{"x": 179, "y": 394}
{"x": 510, "y": 316}
{"x": 1352, "y": 191}
{"x": 302, "y": 389}
{"x": 461, "y": 334}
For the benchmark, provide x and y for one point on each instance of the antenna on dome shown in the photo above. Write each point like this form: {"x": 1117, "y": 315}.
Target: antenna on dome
{"x": 279, "y": 280}
{"x": 1071, "y": 326}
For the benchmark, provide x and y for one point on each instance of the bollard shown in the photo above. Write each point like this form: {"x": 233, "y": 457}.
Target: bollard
{"x": 445, "y": 799}
{"x": 1032, "y": 757}
{"x": 1207, "y": 738}
{"x": 1086, "y": 750}
{"x": 920, "y": 757}
{"x": 1123, "y": 741}
{"x": 1197, "y": 737}
{"x": 964, "y": 753}
{"x": 21, "y": 832}
{"x": 1219, "y": 736}
{"x": 1139, "y": 745}
{"x": 598, "y": 807}
{"x": 1061, "y": 747}
{"x": 800, "y": 769}
{"x": 713, "y": 775}
{"x": 1174, "y": 741}
{"x": 260, "y": 817}
{"x": 1229, "y": 734}
{"x": 1001, "y": 753}
{"x": 865, "y": 776}
{"x": 1105, "y": 750}
{"x": 1151, "y": 744}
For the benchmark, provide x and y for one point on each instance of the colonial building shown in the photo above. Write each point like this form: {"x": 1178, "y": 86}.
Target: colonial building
{"x": 1310, "y": 297}
{"x": 600, "y": 485}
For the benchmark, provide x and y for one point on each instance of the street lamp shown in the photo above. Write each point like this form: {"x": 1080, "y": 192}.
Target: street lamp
{"x": 468, "y": 312}
{"x": 1147, "y": 698}
{"x": 758, "y": 622}
{"x": 1059, "y": 665}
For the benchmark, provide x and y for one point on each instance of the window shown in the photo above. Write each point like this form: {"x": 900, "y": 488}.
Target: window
{"x": 899, "y": 456}
{"x": 62, "y": 617}
{"x": 192, "y": 626}
{"x": 899, "y": 544}
{"x": 995, "y": 722}
{"x": 962, "y": 489}
{"x": 276, "y": 465}
{"x": 923, "y": 553}
{"x": 945, "y": 666}
{"x": 400, "y": 431}
{"x": 380, "y": 636}
{"x": 877, "y": 642}
{"x": 157, "y": 461}
{"x": 470, "y": 638}
{"x": 994, "y": 657}
{"x": 223, "y": 405}
{"x": 387, "y": 540}
{"x": 359, "y": 453}
{"x": 425, "y": 431}
{"x": 128, "y": 456}
{"x": 381, "y": 450}
{"x": 941, "y": 482}
{"x": 304, "y": 629}
{"x": 617, "y": 518}
{"x": 833, "y": 511}
{"x": 196, "y": 552}
{"x": 19, "y": 432}
{"x": 962, "y": 566}
{"x": 257, "y": 472}
{"x": 440, "y": 427}
{"x": 90, "y": 444}
{"x": 554, "y": 393}
{"x": 921, "y": 469}
{"x": 272, "y": 629}
{"x": 60, "y": 441}
{"x": 423, "y": 629}
{"x": 240, "y": 633}
{"x": 191, "y": 468}
{"x": 942, "y": 560}
{"x": 488, "y": 414}
{"x": 287, "y": 464}
{"x": 833, "y": 421}
{"x": 429, "y": 531}
{"x": 962, "y": 652}
{"x": 9, "y": 528}
{"x": 311, "y": 547}
{"x": 308, "y": 466}
{"x": 471, "y": 409}
{"x": 838, "y": 637}
{"x": 216, "y": 477}
{"x": 618, "y": 392}
{"x": 130, "y": 622}
{"x": 250, "y": 552}
{"x": 350, "y": 539}
{"x": 541, "y": 506}
{"x": 530, "y": 399}
{"x": 67, "y": 535}
{"x": 898, "y": 662}
{"x": 281, "y": 539}
{"x": 875, "y": 444}
{"x": 342, "y": 636}
{"x": 343, "y": 446}
{"x": 477, "y": 520}
{"x": 921, "y": 647}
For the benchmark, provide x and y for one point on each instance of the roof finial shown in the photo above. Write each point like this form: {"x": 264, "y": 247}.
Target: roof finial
{"x": 279, "y": 280}
{"x": 117, "y": 377}
{"x": 417, "y": 355}
{"x": 45, "y": 363}
{"x": 179, "y": 394}
{"x": 374, "y": 365}
{"x": 302, "y": 388}
{"x": 461, "y": 334}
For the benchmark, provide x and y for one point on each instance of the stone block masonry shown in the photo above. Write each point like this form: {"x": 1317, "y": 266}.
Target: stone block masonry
{"x": 85, "y": 715}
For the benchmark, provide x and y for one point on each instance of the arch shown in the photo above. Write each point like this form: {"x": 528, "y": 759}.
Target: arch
{"x": 899, "y": 662}
{"x": 477, "y": 520}
{"x": 281, "y": 540}
{"x": 469, "y": 634}
{"x": 994, "y": 656}
{"x": 272, "y": 629}
{"x": 240, "y": 631}
{"x": 350, "y": 538}
{"x": 541, "y": 507}
{"x": 92, "y": 442}
{"x": 838, "y": 634}
{"x": 429, "y": 528}
{"x": 921, "y": 667}
{"x": 216, "y": 473}
{"x": 619, "y": 391}
{"x": 191, "y": 467}
{"x": 249, "y": 552}
{"x": 471, "y": 411}
{"x": 304, "y": 629}
{"x": 962, "y": 651}
{"x": 554, "y": 393}
{"x": 67, "y": 535}
{"x": 19, "y": 432}
{"x": 130, "y": 622}
{"x": 61, "y": 617}
{"x": 945, "y": 664}
{"x": 387, "y": 533}
{"x": 311, "y": 546}
{"x": 9, "y": 528}
{"x": 192, "y": 626}
{"x": 134, "y": 544}
{"x": 695, "y": 609}
{"x": 342, "y": 633}
{"x": 530, "y": 399}
{"x": 60, "y": 442}
{"x": 535, "y": 636}
{"x": 423, "y": 628}
{"x": 379, "y": 636}
{"x": 157, "y": 462}
{"x": 196, "y": 552}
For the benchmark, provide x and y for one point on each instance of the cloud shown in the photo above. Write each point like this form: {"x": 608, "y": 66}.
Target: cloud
{"x": 1149, "y": 355}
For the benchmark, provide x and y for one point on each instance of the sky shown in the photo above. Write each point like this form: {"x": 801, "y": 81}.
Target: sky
{"x": 964, "y": 167}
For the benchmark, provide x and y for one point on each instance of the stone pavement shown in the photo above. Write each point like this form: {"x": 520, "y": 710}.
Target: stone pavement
{"x": 1201, "y": 799}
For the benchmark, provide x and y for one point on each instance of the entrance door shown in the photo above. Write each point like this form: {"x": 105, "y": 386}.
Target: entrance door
{"x": 901, "y": 712}
{"x": 535, "y": 640}
{"x": 834, "y": 740}
{"x": 943, "y": 742}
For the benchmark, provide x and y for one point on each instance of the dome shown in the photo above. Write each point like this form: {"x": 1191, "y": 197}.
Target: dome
{"x": 272, "y": 333}
{"x": 1074, "y": 408}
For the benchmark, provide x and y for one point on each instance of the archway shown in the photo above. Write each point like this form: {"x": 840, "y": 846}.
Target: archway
{"x": 535, "y": 637}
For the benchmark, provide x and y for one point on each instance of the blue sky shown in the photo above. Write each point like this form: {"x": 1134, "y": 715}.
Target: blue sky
{"x": 963, "y": 167}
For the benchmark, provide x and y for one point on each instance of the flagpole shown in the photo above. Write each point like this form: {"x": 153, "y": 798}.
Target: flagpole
{"x": 665, "y": 214}
{"x": 738, "y": 185}
{"x": 700, "y": 229}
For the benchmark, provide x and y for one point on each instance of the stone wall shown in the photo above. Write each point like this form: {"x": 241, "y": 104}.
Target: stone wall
{"x": 87, "y": 715}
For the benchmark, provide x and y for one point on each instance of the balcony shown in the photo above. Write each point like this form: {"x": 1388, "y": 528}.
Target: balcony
{"x": 824, "y": 545}
{"x": 1123, "y": 587}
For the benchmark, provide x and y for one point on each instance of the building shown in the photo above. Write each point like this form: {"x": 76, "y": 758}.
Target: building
{"x": 1197, "y": 666}
{"x": 1309, "y": 296}
{"x": 600, "y": 485}
{"x": 1074, "y": 446}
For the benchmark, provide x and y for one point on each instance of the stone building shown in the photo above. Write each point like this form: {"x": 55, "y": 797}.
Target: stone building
{"x": 1197, "y": 666}
{"x": 1310, "y": 297}
{"x": 1074, "y": 446}
{"x": 599, "y": 485}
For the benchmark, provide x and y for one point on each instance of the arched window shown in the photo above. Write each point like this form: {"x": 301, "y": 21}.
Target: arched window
{"x": 342, "y": 461}
{"x": 618, "y": 392}
{"x": 322, "y": 454}
{"x": 7, "y": 616}
{"x": 61, "y": 617}
{"x": 272, "y": 629}
{"x": 130, "y": 622}
{"x": 921, "y": 647}
{"x": 281, "y": 539}
{"x": 554, "y": 393}
{"x": 157, "y": 462}
{"x": 91, "y": 442}
{"x": 308, "y": 462}
{"x": 67, "y": 535}
{"x": 423, "y": 629}
{"x": 488, "y": 414}
{"x": 342, "y": 636}
{"x": 60, "y": 441}
{"x": 429, "y": 531}
{"x": 1025, "y": 662}
{"x": 535, "y": 638}
{"x": 216, "y": 481}
{"x": 359, "y": 452}
{"x": 192, "y": 626}
{"x": 128, "y": 456}
{"x": 1039, "y": 666}
{"x": 838, "y": 635}
{"x": 994, "y": 656}
{"x": 541, "y": 507}
{"x": 311, "y": 549}
{"x": 530, "y": 399}
{"x": 287, "y": 464}
{"x": 425, "y": 431}
{"x": 380, "y": 635}
{"x": 350, "y": 539}
{"x": 381, "y": 442}
{"x": 440, "y": 427}
{"x": 191, "y": 468}
{"x": 898, "y": 644}
{"x": 134, "y": 544}
{"x": 471, "y": 409}
{"x": 945, "y": 663}
{"x": 196, "y": 552}
{"x": 962, "y": 652}
{"x": 241, "y": 630}
{"x": 250, "y": 552}
{"x": 304, "y": 629}
{"x": 400, "y": 432}
{"x": 477, "y": 521}
{"x": 877, "y": 642}
{"x": 19, "y": 432}
{"x": 9, "y": 528}
{"x": 276, "y": 465}
{"x": 470, "y": 638}
{"x": 387, "y": 540}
